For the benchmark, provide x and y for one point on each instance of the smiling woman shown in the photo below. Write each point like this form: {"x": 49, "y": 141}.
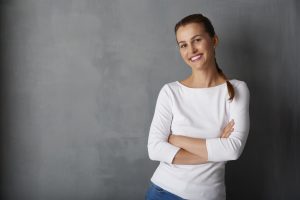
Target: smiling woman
{"x": 199, "y": 123}
{"x": 196, "y": 46}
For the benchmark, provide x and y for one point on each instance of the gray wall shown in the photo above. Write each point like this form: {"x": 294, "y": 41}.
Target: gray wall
{"x": 80, "y": 78}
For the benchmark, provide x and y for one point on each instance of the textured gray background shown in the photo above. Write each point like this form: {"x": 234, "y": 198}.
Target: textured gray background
{"x": 80, "y": 78}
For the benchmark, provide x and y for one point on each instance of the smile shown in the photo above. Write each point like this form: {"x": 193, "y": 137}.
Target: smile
{"x": 196, "y": 57}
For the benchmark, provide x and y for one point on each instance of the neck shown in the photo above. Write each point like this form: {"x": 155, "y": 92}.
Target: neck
{"x": 207, "y": 77}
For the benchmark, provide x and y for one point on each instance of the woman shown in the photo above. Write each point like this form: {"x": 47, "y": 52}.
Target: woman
{"x": 199, "y": 123}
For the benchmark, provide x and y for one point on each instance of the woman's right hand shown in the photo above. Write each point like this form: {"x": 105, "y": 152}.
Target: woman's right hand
{"x": 228, "y": 129}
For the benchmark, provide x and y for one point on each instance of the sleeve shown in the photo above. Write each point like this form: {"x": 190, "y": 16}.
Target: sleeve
{"x": 224, "y": 149}
{"x": 158, "y": 147}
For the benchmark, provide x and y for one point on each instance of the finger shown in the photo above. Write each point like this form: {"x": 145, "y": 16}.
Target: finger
{"x": 228, "y": 133}
{"x": 228, "y": 129}
{"x": 230, "y": 124}
{"x": 225, "y": 134}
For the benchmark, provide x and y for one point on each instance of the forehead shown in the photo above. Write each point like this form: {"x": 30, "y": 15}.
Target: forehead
{"x": 189, "y": 30}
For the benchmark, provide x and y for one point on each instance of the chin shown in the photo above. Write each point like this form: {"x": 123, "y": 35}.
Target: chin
{"x": 197, "y": 66}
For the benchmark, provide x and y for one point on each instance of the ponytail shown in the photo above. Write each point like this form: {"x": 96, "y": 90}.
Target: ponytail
{"x": 229, "y": 85}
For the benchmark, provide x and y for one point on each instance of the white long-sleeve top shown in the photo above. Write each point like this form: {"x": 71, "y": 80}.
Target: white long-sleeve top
{"x": 198, "y": 113}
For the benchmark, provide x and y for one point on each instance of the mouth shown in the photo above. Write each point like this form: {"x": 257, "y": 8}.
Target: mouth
{"x": 196, "y": 57}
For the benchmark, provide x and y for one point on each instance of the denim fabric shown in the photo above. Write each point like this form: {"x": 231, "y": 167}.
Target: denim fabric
{"x": 157, "y": 193}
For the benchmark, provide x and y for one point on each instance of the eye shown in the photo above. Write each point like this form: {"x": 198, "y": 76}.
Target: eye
{"x": 198, "y": 39}
{"x": 182, "y": 46}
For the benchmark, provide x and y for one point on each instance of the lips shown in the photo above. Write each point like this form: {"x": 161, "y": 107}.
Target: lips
{"x": 196, "y": 57}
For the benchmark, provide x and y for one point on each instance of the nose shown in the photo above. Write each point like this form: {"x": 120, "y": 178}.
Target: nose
{"x": 193, "y": 49}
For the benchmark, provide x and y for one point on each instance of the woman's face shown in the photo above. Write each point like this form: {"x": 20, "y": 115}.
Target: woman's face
{"x": 196, "y": 46}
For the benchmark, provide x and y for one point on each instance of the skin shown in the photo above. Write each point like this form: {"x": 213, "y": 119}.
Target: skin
{"x": 193, "y": 40}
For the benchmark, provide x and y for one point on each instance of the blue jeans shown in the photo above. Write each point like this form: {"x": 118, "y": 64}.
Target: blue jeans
{"x": 157, "y": 193}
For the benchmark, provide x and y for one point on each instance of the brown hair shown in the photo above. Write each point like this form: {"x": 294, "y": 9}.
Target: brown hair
{"x": 200, "y": 19}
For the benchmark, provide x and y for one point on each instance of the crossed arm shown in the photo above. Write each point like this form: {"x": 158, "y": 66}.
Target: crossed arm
{"x": 178, "y": 149}
{"x": 194, "y": 150}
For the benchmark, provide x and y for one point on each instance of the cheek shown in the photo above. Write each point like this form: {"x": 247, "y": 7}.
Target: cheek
{"x": 203, "y": 46}
{"x": 209, "y": 46}
{"x": 182, "y": 53}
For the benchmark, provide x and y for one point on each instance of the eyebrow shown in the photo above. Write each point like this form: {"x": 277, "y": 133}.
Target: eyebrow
{"x": 192, "y": 37}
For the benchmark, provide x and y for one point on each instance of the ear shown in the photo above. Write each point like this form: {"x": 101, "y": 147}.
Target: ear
{"x": 215, "y": 41}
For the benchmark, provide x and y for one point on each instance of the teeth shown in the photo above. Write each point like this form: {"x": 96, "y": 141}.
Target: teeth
{"x": 196, "y": 57}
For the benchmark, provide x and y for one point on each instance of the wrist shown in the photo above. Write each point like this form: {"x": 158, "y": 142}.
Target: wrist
{"x": 175, "y": 140}
{"x": 172, "y": 139}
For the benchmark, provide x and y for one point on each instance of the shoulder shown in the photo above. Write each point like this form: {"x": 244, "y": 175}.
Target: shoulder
{"x": 242, "y": 94}
{"x": 168, "y": 90}
{"x": 170, "y": 87}
{"x": 238, "y": 83}
{"x": 239, "y": 86}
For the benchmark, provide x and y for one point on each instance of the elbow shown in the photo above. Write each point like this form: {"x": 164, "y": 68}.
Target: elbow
{"x": 151, "y": 153}
{"x": 152, "y": 148}
{"x": 225, "y": 149}
{"x": 161, "y": 152}
{"x": 236, "y": 148}
{"x": 234, "y": 155}
{"x": 235, "y": 151}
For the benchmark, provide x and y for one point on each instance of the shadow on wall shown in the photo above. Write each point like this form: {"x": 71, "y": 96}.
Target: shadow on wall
{"x": 267, "y": 167}
{"x": 246, "y": 173}
{"x": 4, "y": 103}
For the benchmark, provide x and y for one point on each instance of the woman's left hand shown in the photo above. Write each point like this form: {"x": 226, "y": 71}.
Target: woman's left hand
{"x": 171, "y": 138}
{"x": 228, "y": 130}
